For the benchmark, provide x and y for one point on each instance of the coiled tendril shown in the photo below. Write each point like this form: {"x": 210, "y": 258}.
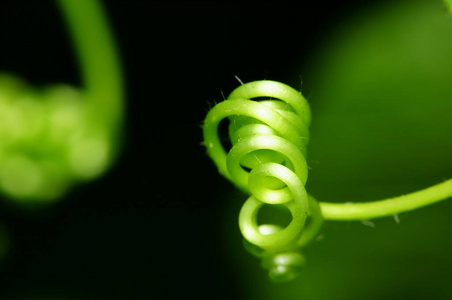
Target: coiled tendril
{"x": 268, "y": 161}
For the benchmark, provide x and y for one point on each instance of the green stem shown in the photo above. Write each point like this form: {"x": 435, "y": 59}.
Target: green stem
{"x": 387, "y": 207}
{"x": 98, "y": 58}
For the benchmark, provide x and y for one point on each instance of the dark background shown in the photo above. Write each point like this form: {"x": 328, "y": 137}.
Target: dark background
{"x": 162, "y": 222}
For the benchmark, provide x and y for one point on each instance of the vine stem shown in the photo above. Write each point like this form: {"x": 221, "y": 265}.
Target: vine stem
{"x": 98, "y": 58}
{"x": 386, "y": 207}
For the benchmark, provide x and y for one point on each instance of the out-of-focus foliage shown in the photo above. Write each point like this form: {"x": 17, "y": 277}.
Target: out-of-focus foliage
{"x": 46, "y": 142}
{"x": 381, "y": 101}
{"x": 52, "y": 138}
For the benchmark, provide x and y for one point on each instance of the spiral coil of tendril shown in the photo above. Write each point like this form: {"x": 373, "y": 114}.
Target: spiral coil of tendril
{"x": 267, "y": 160}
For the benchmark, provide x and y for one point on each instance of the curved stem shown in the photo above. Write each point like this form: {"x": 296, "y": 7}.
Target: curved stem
{"x": 387, "y": 207}
{"x": 98, "y": 59}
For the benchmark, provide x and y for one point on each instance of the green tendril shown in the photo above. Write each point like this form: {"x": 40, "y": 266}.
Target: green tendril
{"x": 52, "y": 138}
{"x": 387, "y": 207}
{"x": 267, "y": 160}
{"x": 269, "y": 137}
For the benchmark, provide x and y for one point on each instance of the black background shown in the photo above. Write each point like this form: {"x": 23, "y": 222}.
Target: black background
{"x": 151, "y": 227}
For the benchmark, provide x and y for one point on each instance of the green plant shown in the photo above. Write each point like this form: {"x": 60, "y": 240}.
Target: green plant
{"x": 54, "y": 137}
{"x": 267, "y": 160}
